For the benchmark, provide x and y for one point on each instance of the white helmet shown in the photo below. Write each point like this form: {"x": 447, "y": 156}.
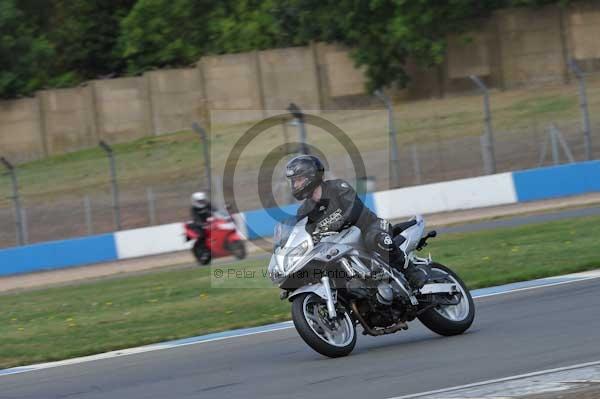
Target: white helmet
{"x": 199, "y": 199}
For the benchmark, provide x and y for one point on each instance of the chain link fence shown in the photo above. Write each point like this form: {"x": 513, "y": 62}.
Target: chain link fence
{"x": 439, "y": 139}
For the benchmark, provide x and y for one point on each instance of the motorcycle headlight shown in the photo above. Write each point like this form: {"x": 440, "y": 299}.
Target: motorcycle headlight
{"x": 294, "y": 255}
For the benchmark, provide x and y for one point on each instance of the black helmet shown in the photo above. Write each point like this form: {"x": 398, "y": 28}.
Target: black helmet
{"x": 309, "y": 167}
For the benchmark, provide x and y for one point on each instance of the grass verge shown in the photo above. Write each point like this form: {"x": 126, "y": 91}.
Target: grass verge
{"x": 63, "y": 322}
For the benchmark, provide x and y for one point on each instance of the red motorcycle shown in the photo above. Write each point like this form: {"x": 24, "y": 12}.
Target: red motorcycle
{"x": 222, "y": 239}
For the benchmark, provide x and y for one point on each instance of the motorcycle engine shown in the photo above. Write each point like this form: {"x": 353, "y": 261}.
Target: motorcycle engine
{"x": 385, "y": 294}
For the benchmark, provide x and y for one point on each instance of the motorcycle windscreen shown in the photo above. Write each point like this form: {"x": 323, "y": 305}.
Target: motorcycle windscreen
{"x": 282, "y": 232}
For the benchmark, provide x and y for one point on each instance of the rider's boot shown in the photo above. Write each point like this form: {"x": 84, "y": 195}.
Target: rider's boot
{"x": 416, "y": 276}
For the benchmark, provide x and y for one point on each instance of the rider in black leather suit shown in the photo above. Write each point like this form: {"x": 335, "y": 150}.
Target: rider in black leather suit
{"x": 333, "y": 205}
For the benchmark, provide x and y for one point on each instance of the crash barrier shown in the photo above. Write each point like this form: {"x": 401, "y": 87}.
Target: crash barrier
{"x": 476, "y": 192}
{"x": 58, "y": 254}
{"x": 452, "y": 195}
{"x": 557, "y": 181}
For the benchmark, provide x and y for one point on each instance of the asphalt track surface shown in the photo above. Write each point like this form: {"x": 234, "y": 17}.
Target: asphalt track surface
{"x": 514, "y": 333}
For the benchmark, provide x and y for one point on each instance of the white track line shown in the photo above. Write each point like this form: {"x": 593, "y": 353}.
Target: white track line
{"x": 505, "y": 379}
{"x": 503, "y": 289}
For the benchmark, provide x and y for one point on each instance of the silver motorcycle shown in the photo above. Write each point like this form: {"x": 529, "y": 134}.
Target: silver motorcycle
{"x": 337, "y": 284}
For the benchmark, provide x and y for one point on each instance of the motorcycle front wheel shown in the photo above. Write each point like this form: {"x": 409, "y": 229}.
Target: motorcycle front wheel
{"x": 331, "y": 338}
{"x": 455, "y": 317}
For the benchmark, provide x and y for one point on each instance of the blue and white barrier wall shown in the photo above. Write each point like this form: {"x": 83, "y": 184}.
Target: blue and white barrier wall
{"x": 452, "y": 195}
{"x": 557, "y": 181}
{"x": 483, "y": 191}
{"x": 58, "y": 254}
{"x": 151, "y": 241}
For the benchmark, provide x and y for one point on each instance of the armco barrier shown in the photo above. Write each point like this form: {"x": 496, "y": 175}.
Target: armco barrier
{"x": 503, "y": 188}
{"x": 58, "y": 254}
{"x": 557, "y": 181}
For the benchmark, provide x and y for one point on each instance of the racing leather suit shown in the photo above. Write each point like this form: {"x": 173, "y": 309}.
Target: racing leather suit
{"x": 340, "y": 207}
{"x": 200, "y": 215}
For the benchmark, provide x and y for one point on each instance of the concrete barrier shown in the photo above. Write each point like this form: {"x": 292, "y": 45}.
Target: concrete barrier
{"x": 446, "y": 196}
{"x": 151, "y": 241}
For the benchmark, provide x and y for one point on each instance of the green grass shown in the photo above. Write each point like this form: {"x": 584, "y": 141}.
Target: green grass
{"x": 63, "y": 322}
{"x": 146, "y": 161}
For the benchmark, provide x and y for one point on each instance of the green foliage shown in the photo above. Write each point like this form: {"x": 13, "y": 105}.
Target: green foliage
{"x": 23, "y": 55}
{"x": 59, "y": 43}
{"x": 84, "y": 34}
{"x": 386, "y": 33}
{"x": 159, "y": 33}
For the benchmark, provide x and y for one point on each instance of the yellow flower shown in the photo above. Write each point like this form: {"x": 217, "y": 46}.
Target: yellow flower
{"x": 152, "y": 300}
{"x": 228, "y": 311}
{"x": 486, "y": 258}
{"x": 108, "y": 303}
{"x": 515, "y": 249}
{"x": 21, "y": 329}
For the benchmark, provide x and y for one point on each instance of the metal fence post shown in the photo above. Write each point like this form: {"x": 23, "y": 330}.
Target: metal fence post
{"x": 21, "y": 239}
{"x": 87, "y": 209}
{"x": 24, "y": 225}
{"x": 558, "y": 136}
{"x": 394, "y": 160}
{"x": 114, "y": 183}
{"x": 487, "y": 141}
{"x": 151, "y": 205}
{"x": 554, "y": 142}
{"x": 205, "y": 146}
{"x": 297, "y": 112}
{"x": 416, "y": 163}
{"x": 583, "y": 104}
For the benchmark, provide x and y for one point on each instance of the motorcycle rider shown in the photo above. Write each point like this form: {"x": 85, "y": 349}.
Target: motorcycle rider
{"x": 201, "y": 210}
{"x": 333, "y": 205}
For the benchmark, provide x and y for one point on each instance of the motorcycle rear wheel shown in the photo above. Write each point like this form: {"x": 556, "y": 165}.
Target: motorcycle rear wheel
{"x": 450, "y": 320}
{"x": 238, "y": 249}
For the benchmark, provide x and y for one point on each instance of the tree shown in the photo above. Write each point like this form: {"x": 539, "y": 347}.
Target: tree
{"x": 159, "y": 33}
{"x": 385, "y": 34}
{"x": 62, "y": 42}
{"x": 23, "y": 54}
{"x": 84, "y": 34}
